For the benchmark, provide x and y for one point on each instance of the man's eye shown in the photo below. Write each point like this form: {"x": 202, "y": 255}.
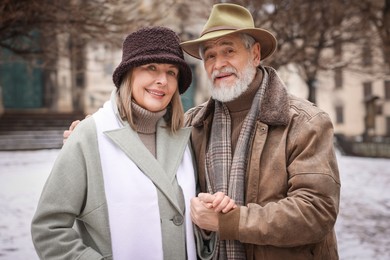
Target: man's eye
{"x": 210, "y": 56}
{"x": 230, "y": 51}
{"x": 152, "y": 67}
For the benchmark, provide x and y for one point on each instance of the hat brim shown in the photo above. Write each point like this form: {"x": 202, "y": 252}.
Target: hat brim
{"x": 267, "y": 41}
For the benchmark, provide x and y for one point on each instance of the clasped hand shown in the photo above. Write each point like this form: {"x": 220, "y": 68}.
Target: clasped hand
{"x": 206, "y": 207}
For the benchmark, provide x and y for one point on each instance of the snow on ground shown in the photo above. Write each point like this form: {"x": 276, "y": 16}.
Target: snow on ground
{"x": 363, "y": 226}
{"x": 22, "y": 176}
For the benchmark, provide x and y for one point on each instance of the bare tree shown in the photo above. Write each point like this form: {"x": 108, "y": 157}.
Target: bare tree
{"x": 28, "y": 20}
{"x": 305, "y": 29}
{"x": 34, "y": 30}
{"x": 377, "y": 12}
{"x": 44, "y": 30}
{"x": 312, "y": 34}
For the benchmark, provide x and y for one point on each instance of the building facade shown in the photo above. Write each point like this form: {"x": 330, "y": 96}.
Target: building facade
{"x": 356, "y": 96}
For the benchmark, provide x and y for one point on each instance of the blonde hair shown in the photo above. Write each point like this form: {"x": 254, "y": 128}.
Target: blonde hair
{"x": 175, "y": 113}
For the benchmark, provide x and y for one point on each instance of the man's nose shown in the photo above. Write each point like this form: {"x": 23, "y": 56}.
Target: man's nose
{"x": 220, "y": 62}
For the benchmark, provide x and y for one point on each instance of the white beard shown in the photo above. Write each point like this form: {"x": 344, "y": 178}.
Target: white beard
{"x": 226, "y": 92}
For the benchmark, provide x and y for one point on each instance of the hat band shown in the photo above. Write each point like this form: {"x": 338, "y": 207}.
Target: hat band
{"x": 219, "y": 28}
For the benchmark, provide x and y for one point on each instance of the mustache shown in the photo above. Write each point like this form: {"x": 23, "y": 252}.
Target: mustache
{"x": 216, "y": 73}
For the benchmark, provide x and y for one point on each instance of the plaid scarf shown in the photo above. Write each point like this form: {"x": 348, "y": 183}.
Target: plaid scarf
{"x": 226, "y": 173}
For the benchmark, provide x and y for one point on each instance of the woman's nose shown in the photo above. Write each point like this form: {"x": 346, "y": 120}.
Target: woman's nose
{"x": 162, "y": 79}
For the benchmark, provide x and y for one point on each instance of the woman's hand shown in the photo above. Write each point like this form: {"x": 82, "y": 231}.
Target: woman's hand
{"x": 206, "y": 207}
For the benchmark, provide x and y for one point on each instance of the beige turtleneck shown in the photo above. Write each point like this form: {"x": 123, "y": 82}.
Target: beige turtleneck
{"x": 145, "y": 123}
{"x": 240, "y": 107}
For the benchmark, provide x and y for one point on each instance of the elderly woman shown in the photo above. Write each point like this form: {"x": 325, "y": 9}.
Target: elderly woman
{"x": 122, "y": 184}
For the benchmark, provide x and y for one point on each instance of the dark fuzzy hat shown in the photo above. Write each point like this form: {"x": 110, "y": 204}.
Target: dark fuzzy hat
{"x": 153, "y": 45}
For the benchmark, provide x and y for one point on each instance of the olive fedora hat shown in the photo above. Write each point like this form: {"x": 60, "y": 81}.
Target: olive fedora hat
{"x": 226, "y": 19}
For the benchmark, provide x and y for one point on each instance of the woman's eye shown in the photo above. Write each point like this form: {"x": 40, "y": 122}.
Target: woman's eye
{"x": 172, "y": 73}
{"x": 152, "y": 67}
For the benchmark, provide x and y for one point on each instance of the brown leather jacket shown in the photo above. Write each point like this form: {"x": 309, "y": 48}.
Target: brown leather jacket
{"x": 292, "y": 187}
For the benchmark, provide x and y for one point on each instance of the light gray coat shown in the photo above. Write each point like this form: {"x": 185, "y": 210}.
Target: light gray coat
{"x": 71, "y": 221}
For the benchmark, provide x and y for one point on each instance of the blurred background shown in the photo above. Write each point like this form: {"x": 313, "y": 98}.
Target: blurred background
{"x": 57, "y": 59}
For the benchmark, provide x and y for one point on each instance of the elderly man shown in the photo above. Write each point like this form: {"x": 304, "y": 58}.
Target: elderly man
{"x": 269, "y": 151}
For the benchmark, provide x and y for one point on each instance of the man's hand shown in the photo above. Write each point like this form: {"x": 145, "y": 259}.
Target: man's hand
{"x": 218, "y": 201}
{"x": 69, "y": 131}
{"x": 71, "y": 128}
{"x": 206, "y": 207}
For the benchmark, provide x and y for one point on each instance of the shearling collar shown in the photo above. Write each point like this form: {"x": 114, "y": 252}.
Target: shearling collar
{"x": 274, "y": 109}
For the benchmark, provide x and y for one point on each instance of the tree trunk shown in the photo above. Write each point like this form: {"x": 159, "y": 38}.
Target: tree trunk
{"x": 77, "y": 62}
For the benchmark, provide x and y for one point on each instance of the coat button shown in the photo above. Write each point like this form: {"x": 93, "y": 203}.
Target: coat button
{"x": 177, "y": 220}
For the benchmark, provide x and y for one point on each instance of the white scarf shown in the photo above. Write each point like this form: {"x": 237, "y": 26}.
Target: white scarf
{"x": 132, "y": 200}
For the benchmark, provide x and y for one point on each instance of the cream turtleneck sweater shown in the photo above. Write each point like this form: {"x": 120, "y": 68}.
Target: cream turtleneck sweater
{"x": 145, "y": 123}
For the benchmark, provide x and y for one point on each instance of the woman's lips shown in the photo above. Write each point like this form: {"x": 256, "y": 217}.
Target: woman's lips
{"x": 155, "y": 92}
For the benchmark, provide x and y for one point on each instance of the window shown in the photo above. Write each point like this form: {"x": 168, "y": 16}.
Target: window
{"x": 188, "y": 98}
{"x": 339, "y": 114}
{"x": 366, "y": 55}
{"x": 387, "y": 89}
{"x": 338, "y": 78}
{"x": 367, "y": 88}
{"x": 379, "y": 109}
{"x": 338, "y": 49}
{"x": 80, "y": 80}
{"x": 388, "y": 126}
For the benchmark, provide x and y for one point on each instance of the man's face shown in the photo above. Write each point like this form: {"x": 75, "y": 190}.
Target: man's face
{"x": 230, "y": 66}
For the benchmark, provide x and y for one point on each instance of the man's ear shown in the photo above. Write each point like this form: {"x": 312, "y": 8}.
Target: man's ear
{"x": 256, "y": 53}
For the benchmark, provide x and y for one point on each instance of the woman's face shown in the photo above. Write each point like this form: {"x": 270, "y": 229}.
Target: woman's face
{"x": 154, "y": 84}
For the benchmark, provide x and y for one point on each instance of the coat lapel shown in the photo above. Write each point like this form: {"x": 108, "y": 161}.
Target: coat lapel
{"x": 170, "y": 149}
{"x": 169, "y": 153}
